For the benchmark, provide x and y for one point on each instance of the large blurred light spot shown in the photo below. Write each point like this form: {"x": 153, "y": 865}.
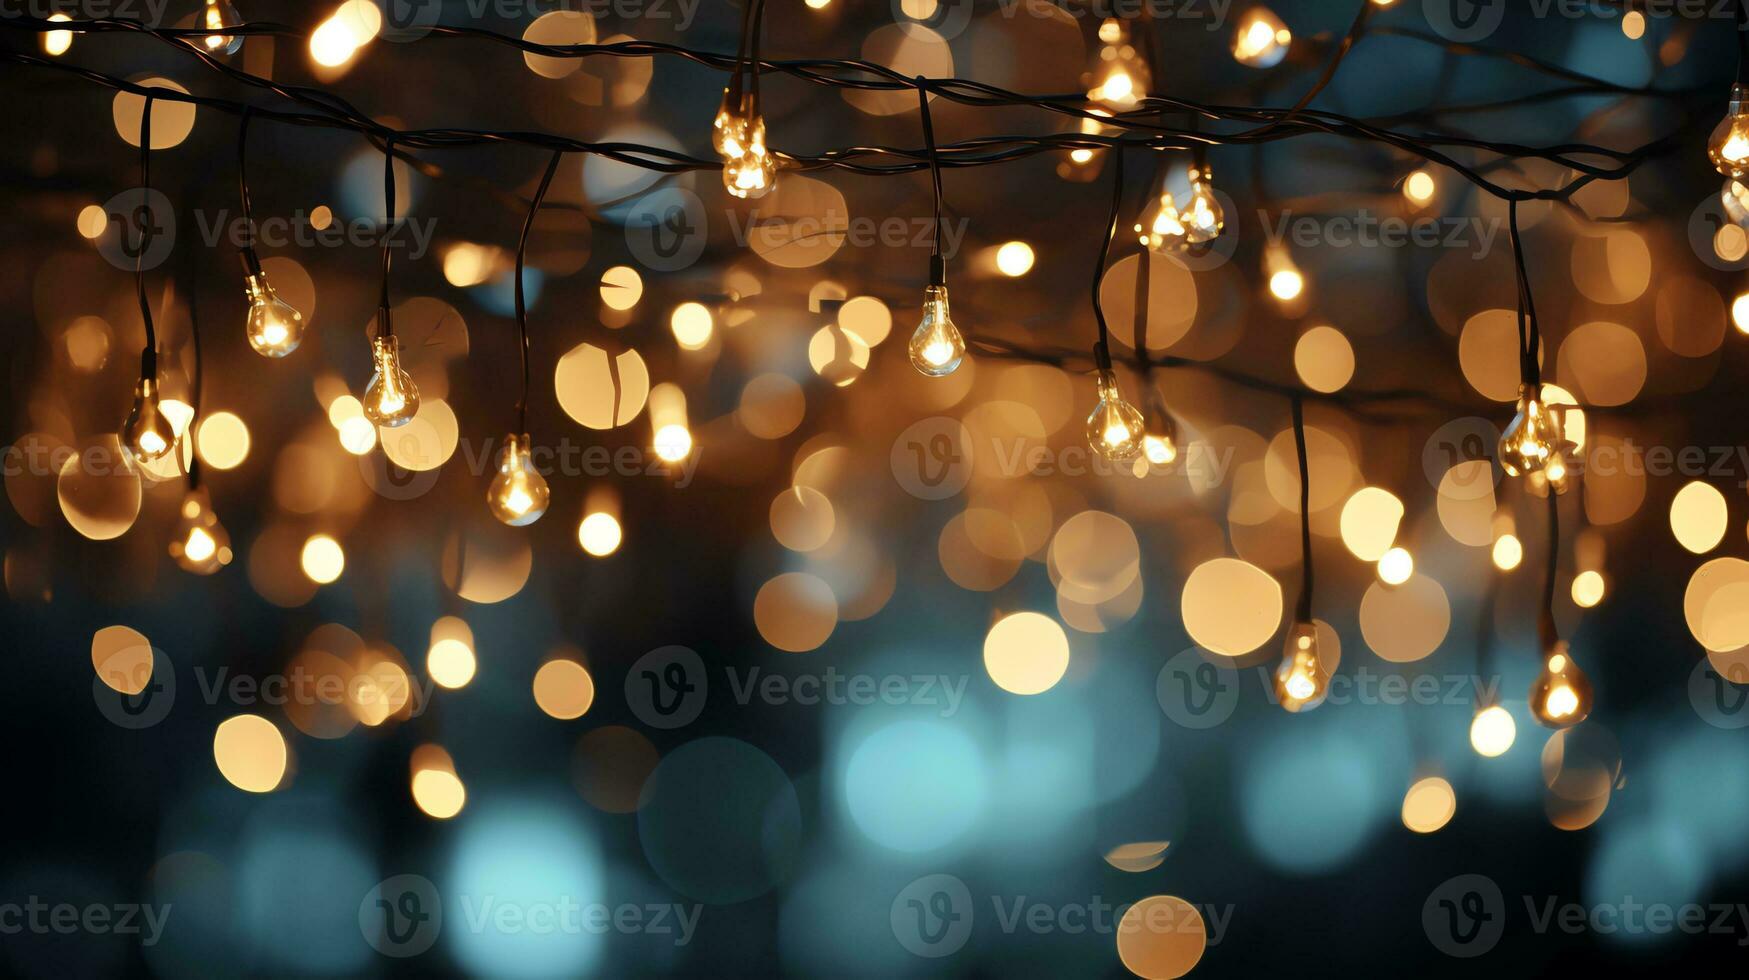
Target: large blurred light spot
{"x": 1324, "y": 359}
{"x": 1309, "y": 800}
{"x": 1230, "y": 607}
{"x": 1429, "y": 805}
{"x": 719, "y": 821}
{"x": 534, "y": 858}
{"x": 1369, "y": 522}
{"x": 1406, "y": 622}
{"x": 915, "y": 786}
{"x": 323, "y": 559}
{"x": 1492, "y": 731}
{"x": 563, "y": 689}
{"x": 795, "y": 611}
{"x": 1026, "y": 653}
{"x": 222, "y": 440}
{"x": 600, "y": 393}
{"x": 1161, "y": 937}
{"x": 122, "y": 658}
{"x": 1699, "y": 517}
{"x": 250, "y": 753}
{"x": 171, "y": 121}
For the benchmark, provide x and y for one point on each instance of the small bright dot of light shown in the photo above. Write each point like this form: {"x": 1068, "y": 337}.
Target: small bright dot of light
{"x": 1014, "y": 259}
{"x": 323, "y": 559}
{"x": 599, "y": 534}
{"x": 1396, "y": 566}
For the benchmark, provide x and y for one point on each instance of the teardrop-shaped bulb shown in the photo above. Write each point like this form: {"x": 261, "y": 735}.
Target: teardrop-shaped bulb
{"x": 390, "y": 399}
{"x": 750, "y": 175}
{"x": 936, "y": 346}
{"x": 749, "y": 167}
{"x": 1160, "y": 228}
{"x": 1728, "y": 147}
{"x": 1300, "y": 684}
{"x": 518, "y": 495}
{"x": 1261, "y": 40}
{"x": 218, "y": 15}
{"x": 1120, "y": 77}
{"x": 147, "y": 433}
{"x": 1532, "y": 439}
{"x": 728, "y": 130}
{"x": 1561, "y": 695}
{"x": 275, "y": 326}
{"x": 1115, "y": 428}
{"x": 200, "y": 545}
{"x": 1203, "y": 217}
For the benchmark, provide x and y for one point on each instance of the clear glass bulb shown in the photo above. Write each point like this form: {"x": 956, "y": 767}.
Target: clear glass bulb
{"x": 1533, "y": 438}
{"x": 1561, "y": 696}
{"x": 275, "y": 326}
{"x": 201, "y": 545}
{"x": 1203, "y": 217}
{"x": 1261, "y": 39}
{"x": 390, "y": 399}
{"x": 218, "y": 15}
{"x": 518, "y": 495}
{"x": 1120, "y": 79}
{"x": 936, "y": 347}
{"x": 1161, "y": 229}
{"x": 1115, "y": 428}
{"x": 738, "y": 135}
{"x": 1728, "y": 147}
{"x": 147, "y": 433}
{"x": 1300, "y": 684}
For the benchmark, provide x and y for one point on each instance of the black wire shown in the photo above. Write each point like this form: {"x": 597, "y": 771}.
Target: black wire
{"x": 1303, "y": 611}
{"x": 250, "y": 261}
{"x": 148, "y": 356}
{"x": 1329, "y": 73}
{"x": 1102, "y": 347}
{"x": 540, "y": 195}
{"x": 1529, "y": 334}
{"x": 753, "y": 51}
{"x": 199, "y": 380}
{"x": 1742, "y": 42}
{"x": 937, "y": 264}
{"x": 1547, "y": 632}
{"x": 387, "y": 326}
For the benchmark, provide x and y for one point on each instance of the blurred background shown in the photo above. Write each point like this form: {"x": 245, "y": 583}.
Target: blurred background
{"x": 819, "y": 667}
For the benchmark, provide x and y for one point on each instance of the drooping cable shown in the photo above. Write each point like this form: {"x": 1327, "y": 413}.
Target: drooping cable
{"x": 1303, "y": 610}
{"x": 251, "y": 262}
{"x": 1102, "y": 347}
{"x": 1547, "y": 632}
{"x": 149, "y": 355}
{"x": 386, "y": 326}
{"x": 937, "y": 264}
{"x": 540, "y": 195}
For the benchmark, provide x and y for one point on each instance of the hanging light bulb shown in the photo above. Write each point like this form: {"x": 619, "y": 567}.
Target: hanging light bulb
{"x": 936, "y": 347}
{"x": 218, "y": 15}
{"x": 1300, "y": 684}
{"x": 147, "y": 433}
{"x": 518, "y": 495}
{"x": 1532, "y": 440}
{"x": 1561, "y": 695}
{"x": 1261, "y": 39}
{"x": 390, "y": 399}
{"x": 1728, "y": 148}
{"x": 1160, "y": 228}
{"x": 201, "y": 545}
{"x": 1115, "y": 428}
{"x": 1160, "y": 433}
{"x": 1120, "y": 79}
{"x": 738, "y": 134}
{"x": 1203, "y": 217}
{"x": 275, "y": 326}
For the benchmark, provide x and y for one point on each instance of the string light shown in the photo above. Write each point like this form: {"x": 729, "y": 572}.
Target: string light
{"x": 1561, "y": 696}
{"x": 738, "y": 133}
{"x": 1115, "y": 427}
{"x": 146, "y": 434}
{"x": 518, "y": 495}
{"x": 1728, "y": 147}
{"x": 1300, "y": 684}
{"x": 1160, "y": 229}
{"x": 1120, "y": 76}
{"x": 390, "y": 399}
{"x": 1261, "y": 39}
{"x": 220, "y": 15}
{"x": 200, "y": 544}
{"x": 1204, "y": 219}
{"x": 274, "y": 327}
{"x": 936, "y": 346}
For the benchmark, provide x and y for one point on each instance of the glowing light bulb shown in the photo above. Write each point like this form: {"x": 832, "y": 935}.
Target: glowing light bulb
{"x": 390, "y": 399}
{"x": 275, "y": 326}
{"x": 518, "y": 495}
{"x": 1261, "y": 40}
{"x": 1728, "y": 148}
{"x": 218, "y": 15}
{"x": 738, "y": 134}
{"x": 147, "y": 434}
{"x": 1532, "y": 440}
{"x": 1396, "y": 567}
{"x": 1203, "y": 217}
{"x": 1300, "y": 684}
{"x": 1561, "y": 696}
{"x": 1418, "y": 187}
{"x": 1115, "y": 428}
{"x": 1120, "y": 79}
{"x": 1160, "y": 436}
{"x": 1286, "y": 282}
{"x": 201, "y": 545}
{"x": 1492, "y": 731}
{"x": 1508, "y": 552}
{"x": 1161, "y": 229}
{"x": 936, "y": 347}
